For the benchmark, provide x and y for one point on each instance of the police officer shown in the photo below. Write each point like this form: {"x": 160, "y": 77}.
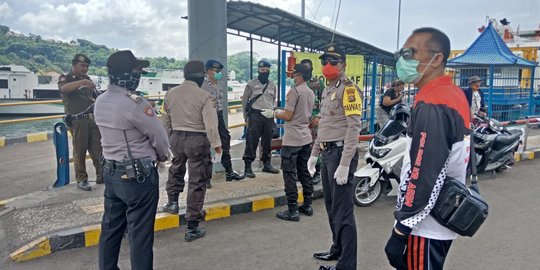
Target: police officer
{"x": 317, "y": 85}
{"x": 339, "y": 127}
{"x": 297, "y": 142}
{"x": 133, "y": 140}
{"x": 78, "y": 95}
{"x": 259, "y": 94}
{"x": 215, "y": 86}
{"x": 190, "y": 115}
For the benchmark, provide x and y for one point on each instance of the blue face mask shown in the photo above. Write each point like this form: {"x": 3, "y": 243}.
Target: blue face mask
{"x": 217, "y": 76}
{"x": 406, "y": 69}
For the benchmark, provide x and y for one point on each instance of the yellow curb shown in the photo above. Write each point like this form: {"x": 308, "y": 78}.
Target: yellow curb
{"x": 4, "y": 202}
{"x": 261, "y": 203}
{"x": 531, "y": 155}
{"x": 517, "y": 157}
{"x": 91, "y": 235}
{"x": 165, "y": 221}
{"x": 300, "y": 197}
{"x": 217, "y": 211}
{"x": 37, "y": 248}
{"x": 2, "y": 141}
{"x": 36, "y": 137}
{"x": 232, "y": 110}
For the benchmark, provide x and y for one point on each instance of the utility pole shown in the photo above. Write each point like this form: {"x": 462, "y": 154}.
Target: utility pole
{"x": 398, "y": 24}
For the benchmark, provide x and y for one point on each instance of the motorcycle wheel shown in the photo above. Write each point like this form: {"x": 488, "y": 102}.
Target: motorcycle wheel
{"x": 364, "y": 195}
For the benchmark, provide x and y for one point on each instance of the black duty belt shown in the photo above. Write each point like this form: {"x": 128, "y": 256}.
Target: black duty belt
{"x": 329, "y": 145}
{"x": 82, "y": 116}
{"x": 189, "y": 133}
{"x": 114, "y": 165}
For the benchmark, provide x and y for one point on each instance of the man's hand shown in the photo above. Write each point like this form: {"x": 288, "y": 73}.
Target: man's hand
{"x": 268, "y": 113}
{"x": 88, "y": 84}
{"x": 396, "y": 248}
{"x": 217, "y": 157}
{"x": 312, "y": 161}
{"x": 218, "y": 150}
{"x": 341, "y": 175}
{"x": 314, "y": 123}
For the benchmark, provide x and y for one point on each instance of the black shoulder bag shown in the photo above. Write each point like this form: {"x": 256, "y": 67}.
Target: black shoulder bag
{"x": 252, "y": 100}
{"x": 461, "y": 208}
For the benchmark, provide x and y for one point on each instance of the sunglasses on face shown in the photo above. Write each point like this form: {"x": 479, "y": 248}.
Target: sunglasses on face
{"x": 408, "y": 53}
{"x": 332, "y": 61}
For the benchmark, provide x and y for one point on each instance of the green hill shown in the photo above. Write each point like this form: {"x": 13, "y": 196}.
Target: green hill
{"x": 42, "y": 55}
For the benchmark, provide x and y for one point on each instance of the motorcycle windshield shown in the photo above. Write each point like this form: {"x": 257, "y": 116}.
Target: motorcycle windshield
{"x": 389, "y": 133}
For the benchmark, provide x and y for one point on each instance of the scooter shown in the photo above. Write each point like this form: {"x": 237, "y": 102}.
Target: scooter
{"x": 495, "y": 145}
{"x": 384, "y": 160}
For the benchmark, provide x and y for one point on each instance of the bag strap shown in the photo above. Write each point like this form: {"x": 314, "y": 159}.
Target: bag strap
{"x": 260, "y": 95}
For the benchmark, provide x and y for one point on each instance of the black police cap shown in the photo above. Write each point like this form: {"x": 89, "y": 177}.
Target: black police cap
{"x": 125, "y": 62}
{"x": 194, "y": 68}
{"x": 333, "y": 51}
{"x": 213, "y": 64}
{"x": 264, "y": 63}
{"x": 300, "y": 68}
{"x": 81, "y": 58}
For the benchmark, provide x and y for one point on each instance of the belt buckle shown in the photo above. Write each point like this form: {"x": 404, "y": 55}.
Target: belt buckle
{"x": 322, "y": 146}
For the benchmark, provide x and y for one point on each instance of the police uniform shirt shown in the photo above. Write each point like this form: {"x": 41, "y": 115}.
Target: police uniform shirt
{"x": 79, "y": 100}
{"x": 117, "y": 110}
{"x": 215, "y": 91}
{"x": 341, "y": 112}
{"x": 254, "y": 88}
{"x": 300, "y": 101}
{"x": 188, "y": 108}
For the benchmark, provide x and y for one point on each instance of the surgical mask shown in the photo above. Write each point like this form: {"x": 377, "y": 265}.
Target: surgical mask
{"x": 217, "y": 76}
{"x": 330, "y": 72}
{"x": 263, "y": 77}
{"x": 406, "y": 69}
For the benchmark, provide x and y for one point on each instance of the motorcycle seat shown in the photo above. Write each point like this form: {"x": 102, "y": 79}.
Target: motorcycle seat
{"x": 504, "y": 139}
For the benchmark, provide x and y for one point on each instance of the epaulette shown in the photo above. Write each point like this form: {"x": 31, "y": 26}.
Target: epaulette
{"x": 136, "y": 98}
{"x": 348, "y": 82}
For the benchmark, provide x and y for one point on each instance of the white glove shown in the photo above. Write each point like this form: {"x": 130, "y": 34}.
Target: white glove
{"x": 216, "y": 158}
{"x": 311, "y": 165}
{"x": 268, "y": 113}
{"x": 341, "y": 175}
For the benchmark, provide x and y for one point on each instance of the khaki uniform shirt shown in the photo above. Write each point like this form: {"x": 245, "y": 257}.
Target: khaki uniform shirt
{"x": 254, "y": 88}
{"x": 300, "y": 101}
{"x": 341, "y": 112}
{"x": 215, "y": 90}
{"x": 78, "y": 100}
{"x": 118, "y": 110}
{"x": 188, "y": 108}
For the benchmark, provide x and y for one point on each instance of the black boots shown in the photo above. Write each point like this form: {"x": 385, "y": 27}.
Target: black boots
{"x": 171, "y": 207}
{"x": 267, "y": 168}
{"x": 233, "y": 176}
{"x": 84, "y": 185}
{"x": 306, "y": 209}
{"x": 290, "y": 214}
{"x": 193, "y": 231}
{"x": 208, "y": 184}
{"x": 248, "y": 172}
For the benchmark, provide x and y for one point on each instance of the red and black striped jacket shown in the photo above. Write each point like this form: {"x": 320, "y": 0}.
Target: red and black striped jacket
{"x": 438, "y": 147}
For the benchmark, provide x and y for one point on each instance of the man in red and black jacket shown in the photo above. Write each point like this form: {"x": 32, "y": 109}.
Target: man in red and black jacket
{"x": 438, "y": 147}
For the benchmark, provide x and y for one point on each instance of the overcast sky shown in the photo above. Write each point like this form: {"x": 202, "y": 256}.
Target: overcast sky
{"x": 153, "y": 27}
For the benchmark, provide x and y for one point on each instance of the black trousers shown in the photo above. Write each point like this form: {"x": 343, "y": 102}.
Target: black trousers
{"x": 259, "y": 127}
{"x": 225, "y": 137}
{"x": 128, "y": 203}
{"x": 426, "y": 253}
{"x": 194, "y": 150}
{"x": 338, "y": 200}
{"x": 294, "y": 165}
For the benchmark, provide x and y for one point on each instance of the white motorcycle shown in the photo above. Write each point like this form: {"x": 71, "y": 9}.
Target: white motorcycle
{"x": 384, "y": 160}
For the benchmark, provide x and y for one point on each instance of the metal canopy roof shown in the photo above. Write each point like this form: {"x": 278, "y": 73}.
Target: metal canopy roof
{"x": 272, "y": 25}
{"x": 488, "y": 49}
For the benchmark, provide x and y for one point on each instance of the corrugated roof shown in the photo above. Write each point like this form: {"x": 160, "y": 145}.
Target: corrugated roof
{"x": 278, "y": 25}
{"x": 488, "y": 49}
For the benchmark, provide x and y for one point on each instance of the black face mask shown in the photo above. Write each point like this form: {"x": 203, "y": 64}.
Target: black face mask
{"x": 198, "y": 80}
{"x": 263, "y": 77}
{"x": 129, "y": 81}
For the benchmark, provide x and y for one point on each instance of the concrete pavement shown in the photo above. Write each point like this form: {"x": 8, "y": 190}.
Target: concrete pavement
{"x": 508, "y": 239}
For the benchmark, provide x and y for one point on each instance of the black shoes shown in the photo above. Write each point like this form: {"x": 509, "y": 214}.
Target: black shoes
{"x": 208, "y": 184}
{"x": 316, "y": 178}
{"x": 288, "y": 215}
{"x": 327, "y": 267}
{"x": 248, "y": 172}
{"x": 194, "y": 234}
{"x": 267, "y": 168}
{"x": 171, "y": 207}
{"x": 306, "y": 210}
{"x": 326, "y": 256}
{"x": 84, "y": 185}
{"x": 233, "y": 176}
